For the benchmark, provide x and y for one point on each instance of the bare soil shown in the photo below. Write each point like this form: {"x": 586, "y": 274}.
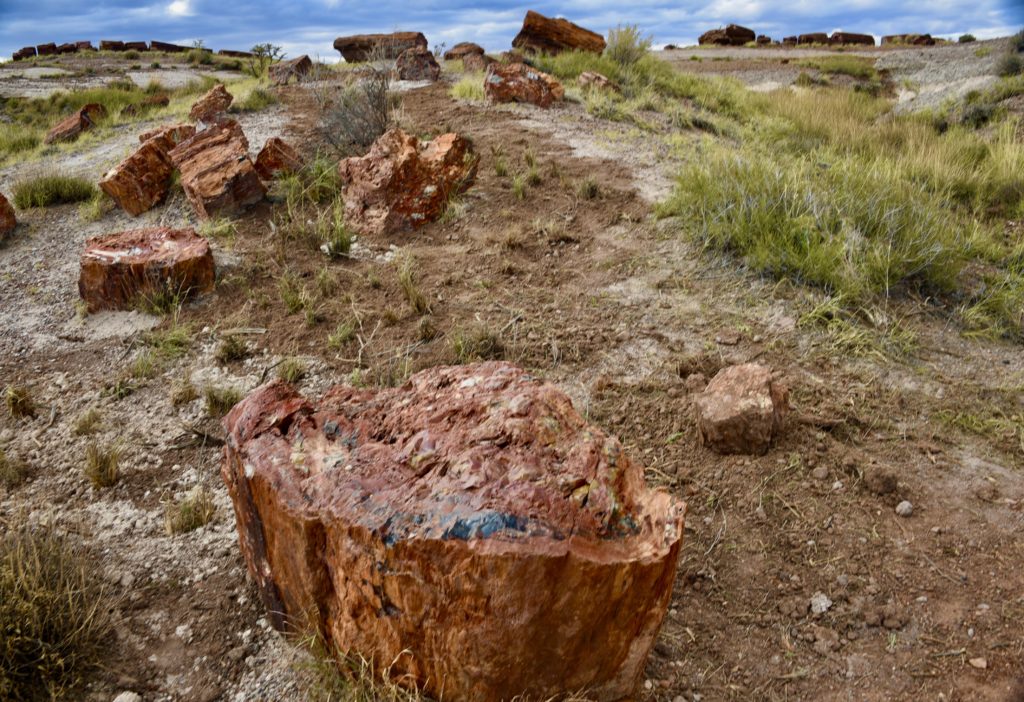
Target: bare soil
{"x": 630, "y": 319}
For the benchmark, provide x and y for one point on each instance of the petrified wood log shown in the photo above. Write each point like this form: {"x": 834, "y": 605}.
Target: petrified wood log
{"x": 468, "y": 533}
{"x": 363, "y": 47}
{"x": 548, "y": 35}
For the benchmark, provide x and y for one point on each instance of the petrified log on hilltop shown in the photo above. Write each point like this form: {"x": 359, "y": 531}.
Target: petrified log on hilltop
{"x": 231, "y": 53}
{"x": 111, "y": 45}
{"x": 812, "y": 38}
{"x": 116, "y": 269}
{"x": 26, "y": 52}
{"x": 731, "y": 35}
{"x": 167, "y": 48}
{"x": 363, "y": 47}
{"x": 49, "y": 49}
{"x": 546, "y": 35}
{"x": 842, "y": 38}
{"x": 468, "y": 533}
{"x": 136, "y": 46}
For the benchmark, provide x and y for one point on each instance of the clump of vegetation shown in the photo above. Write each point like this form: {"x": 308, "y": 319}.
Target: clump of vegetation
{"x": 351, "y": 119}
{"x": 193, "y": 510}
{"x": 231, "y": 348}
{"x": 51, "y": 189}
{"x": 588, "y": 189}
{"x": 332, "y": 678}
{"x": 19, "y": 402}
{"x": 478, "y": 343}
{"x": 257, "y": 99}
{"x": 96, "y": 207}
{"x": 220, "y": 229}
{"x": 13, "y": 472}
{"x": 88, "y": 423}
{"x": 966, "y": 38}
{"x": 1010, "y": 65}
{"x": 469, "y": 87}
{"x": 291, "y": 370}
{"x": 219, "y": 401}
{"x": 855, "y": 66}
{"x": 410, "y": 288}
{"x": 626, "y": 46}
{"x": 17, "y": 138}
{"x": 54, "y": 622}
{"x": 183, "y": 391}
{"x": 102, "y": 464}
{"x": 262, "y": 56}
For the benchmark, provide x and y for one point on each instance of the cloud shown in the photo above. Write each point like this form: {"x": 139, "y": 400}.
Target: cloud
{"x": 180, "y": 8}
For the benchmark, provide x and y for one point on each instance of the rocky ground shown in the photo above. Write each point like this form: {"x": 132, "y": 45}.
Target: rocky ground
{"x": 799, "y": 579}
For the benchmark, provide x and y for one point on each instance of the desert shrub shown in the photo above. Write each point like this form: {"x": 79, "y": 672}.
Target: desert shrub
{"x": 230, "y": 349}
{"x": 54, "y": 621}
{"x": 131, "y": 55}
{"x": 469, "y": 87}
{"x": 219, "y": 401}
{"x": 199, "y": 56}
{"x": 13, "y": 470}
{"x": 51, "y": 189}
{"x": 193, "y": 510}
{"x": 855, "y": 66}
{"x": 291, "y": 370}
{"x": 966, "y": 38}
{"x": 102, "y": 464}
{"x": 626, "y": 45}
{"x": 1010, "y": 65}
{"x": 19, "y": 401}
{"x": 262, "y": 56}
{"x": 351, "y": 119}
{"x": 478, "y": 343}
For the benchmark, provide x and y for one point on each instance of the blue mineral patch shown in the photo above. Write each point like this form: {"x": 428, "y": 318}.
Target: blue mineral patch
{"x": 483, "y": 525}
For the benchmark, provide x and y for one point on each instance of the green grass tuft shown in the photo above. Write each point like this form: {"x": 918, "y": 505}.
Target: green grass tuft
{"x": 51, "y": 189}
{"x": 469, "y": 87}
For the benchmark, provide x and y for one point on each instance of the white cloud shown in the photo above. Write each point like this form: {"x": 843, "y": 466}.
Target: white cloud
{"x": 180, "y": 8}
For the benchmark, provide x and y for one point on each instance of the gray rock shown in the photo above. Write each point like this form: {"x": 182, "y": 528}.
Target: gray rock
{"x": 820, "y": 603}
{"x": 904, "y": 509}
{"x": 128, "y": 696}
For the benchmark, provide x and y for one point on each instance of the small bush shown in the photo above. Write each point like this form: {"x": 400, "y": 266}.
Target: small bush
{"x": 626, "y": 46}
{"x": 352, "y": 119}
{"x": 966, "y": 38}
{"x": 231, "y": 348}
{"x": 88, "y": 422}
{"x": 192, "y": 511}
{"x": 183, "y": 391}
{"x": 477, "y": 344}
{"x": 102, "y": 464}
{"x": 15, "y": 139}
{"x": 410, "y": 289}
{"x": 199, "y": 56}
{"x": 19, "y": 402}
{"x": 131, "y": 55}
{"x": 1010, "y": 65}
{"x": 48, "y": 190}
{"x": 257, "y": 99}
{"x": 588, "y": 189}
{"x": 219, "y": 401}
{"x": 54, "y": 623}
{"x": 96, "y": 207}
{"x": 291, "y": 370}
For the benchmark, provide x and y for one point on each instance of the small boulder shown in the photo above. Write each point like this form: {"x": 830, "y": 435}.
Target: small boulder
{"x": 476, "y": 62}
{"x": 7, "y": 219}
{"x": 211, "y": 105}
{"x": 597, "y": 81}
{"x": 731, "y": 35}
{"x": 118, "y": 269}
{"x": 417, "y": 64}
{"x": 469, "y": 533}
{"x": 275, "y": 157}
{"x": 401, "y": 183}
{"x": 167, "y": 48}
{"x": 71, "y": 127}
{"x": 546, "y": 35}
{"x": 462, "y": 50}
{"x": 217, "y": 175}
{"x": 24, "y": 53}
{"x": 49, "y": 49}
{"x": 741, "y": 410}
{"x": 843, "y": 38}
{"x": 142, "y": 180}
{"x": 364, "y": 47}
{"x": 283, "y": 71}
{"x": 812, "y": 38}
{"x": 517, "y": 82}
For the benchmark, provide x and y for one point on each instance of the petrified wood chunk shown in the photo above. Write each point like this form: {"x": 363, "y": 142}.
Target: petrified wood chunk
{"x": 7, "y": 219}
{"x": 169, "y": 48}
{"x": 851, "y": 38}
{"x": 277, "y": 156}
{"x": 169, "y": 136}
{"x": 213, "y": 104}
{"x": 417, "y": 64}
{"x": 111, "y": 45}
{"x": 24, "y": 53}
{"x": 116, "y": 269}
{"x": 49, "y": 49}
{"x": 548, "y": 35}
{"x": 69, "y": 128}
{"x": 462, "y": 50}
{"x": 731, "y": 35}
{"x": 476, "y": 62}
{"x": 217, "y": 175}
{"x": 142, "y": 180}
{"x": 812, "y": 38}
{"x": 363, "y": 47}
{"x": 518, "y": 82}
{"x": 741, "y": 410}
{"x": 283, "y": 71}
{"x": 468, "y": 533}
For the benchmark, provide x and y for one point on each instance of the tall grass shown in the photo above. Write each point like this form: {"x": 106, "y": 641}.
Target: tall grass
{"x": 469, "y": 87}
{"x": 855, "y": 66}
{"x": 51, "y": 189}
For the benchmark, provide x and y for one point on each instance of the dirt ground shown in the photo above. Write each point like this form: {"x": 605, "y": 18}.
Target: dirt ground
{"x": 629, "y": 318}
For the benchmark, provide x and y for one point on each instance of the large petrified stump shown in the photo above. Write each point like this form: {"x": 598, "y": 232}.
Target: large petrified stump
{"x": 547, "y": 35}
{"x": 365, "y": 47}
{"x": 518, "y": 82}
{"x": 119, "y": 269}
{"x": 417, "y": 64}
{"x": 283, "y": 71}
{"x": 468, "y": 533}
{"x": 402, "y": 183}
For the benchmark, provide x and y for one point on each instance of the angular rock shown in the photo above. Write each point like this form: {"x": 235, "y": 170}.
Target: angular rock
{"x": 275, "y": 157}
{"x": 7, "y": 219}
{"x": 462, "y": 50}
{"x": 111, "y": 45}
{"x": 741, "y": 410}
{"x": 169, "y": 136}
{"x": 49, "y": 49}
{"x": 24, "y": 53}
{"x": 812, "y": 38}
{"x": 597, "y": 81}
{"x": 763, "y": 40}
{"x": 167, "y": 48}
{"x": 85, "y": 46}
{"x": 731, "y": 35}
{"x": 214, "y": 103}
{"x": 476, "y": 62}
{"x": 468, "y": 533}
{"x": 148, "y": 103}
{"x": 417, "y": 64}
{"x": 363, "y": 47}
{"x": 69, "y": 128}
{"x": 790, "y": 41}
{"x": 118, "y": 269}
{"x": 842, "y": 38}
{"x": 136, "y": 46}
{"x": 217, "y": 175}
{"x": 67, "y": 49}
{"x": 236, "y": 54}
{"x": 142, "y": 180}
{"x": 283, "y": 71}
{"x": 402, "y": 183}
{"x": 545, "y": 35}
{"x": 518, "y": 82}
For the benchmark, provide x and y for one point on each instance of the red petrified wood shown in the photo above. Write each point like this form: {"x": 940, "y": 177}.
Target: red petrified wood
{"x": 741, "y": 410}
{"x": 69, "y": 128}
{"x": 7, "y": 219}
{"x": 275, "y": 157}
{"x": 118, "y": 269}
{"x": 468, "y": 533}
{"x": 141, "y": 181}
{"x": 518, "y": 82}
{"x": 217, "y": 175}
{"x": 546, "y": 35}
{"x": 364, "y": 47}
{"x": 401, "y": 184}
{"x": 283, "y": 71}
{"x": 417, "y": 64}
{"x": 211, "y": 105}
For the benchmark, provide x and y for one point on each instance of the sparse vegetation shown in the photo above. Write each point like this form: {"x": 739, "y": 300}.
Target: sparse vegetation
{"x": 854, "y": 66}
{"x": 88, "y": 423}
{"x": 477, "y": 343}
{"x": 291, "y": 370}
{"x": 54, "y": 626}
{"x": 351, "y": 119}
{"x": 102, "y": 464}
{"x": 13, "y": 472}
{"x": 51, "y": 189}
{"x": 262, "y": 56}
{"x": 469, "y": 87}
{"x": 231, "y": 348}
{"x": 19, "y": 401}
{"x": 255, "y": 100}
{"x": 219, "y": 401}
{"x": 183, "y": 391}
{"x": 195, "y": 509}
{"x": 965, "y": 38}
{"x": 410, "y": 287}
{"x": 626, "y": 46}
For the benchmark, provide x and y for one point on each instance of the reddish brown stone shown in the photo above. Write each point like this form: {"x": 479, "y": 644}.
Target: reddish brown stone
{"x": 476, "y": 62}
{"x": 67, "y": 49}
{"x": 167, "y": 48}
{"x": 283, "y": 71}
{"x": 69, "y": 128}
{"x": 731, "y": 35}
{"x": 462, "y": 50}
{"x": 142, "y": 180}
{"x": 111, "y": 45}
{"x": 118, "y": 269}
{"x": 741, "y": 410}
{"x": 467, "y": 533}
{"x": 911, "y": 39}
{"x": 417, "y": 64}
{"x": 591, "y": 79}
{"x": 211, "y": 105}
{"x": 275, "y": 157}
{"x": 216, "y": 173}
{"x": 763, "y": 40}
{"x": 812, "y": 38}
{"x": 851, "y": 38}
{"x": 402, "y": 184}
{"x": 24, "y": 53}
{"x": 546, "y": 35}
{"x": 7, "y": 219}
{"x": 363, "y": 47}
{"x": 136, "y": 46}
{"x": 85, "y": 46}
{"x": 518, "y": 82}
{"x": 790, "y": 41}
{"x": 49, "y": 49}
{"x": 236, "y": 54}
{"x": 169, "y": 136}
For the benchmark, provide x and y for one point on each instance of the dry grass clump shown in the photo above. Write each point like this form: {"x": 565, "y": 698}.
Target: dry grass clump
{"x": 19, "y": 402}
{"x": 477, "y": 344}
{"x": 183, "y": 391}
{"x": 231, "y": 348}
{"x": 193, "y": 510}
{"x": 88, "y": 422}
{"x": 13, "y": 470}
{"x": 219, "y": 401}
{"x": 469, "y": 87}
{"x": 291, "y": 370}
{"x": 102, "y": 464}
{"x": 407, "y": 280}
{"x": 54, "y": 621}
{"x": 352, "y": 679}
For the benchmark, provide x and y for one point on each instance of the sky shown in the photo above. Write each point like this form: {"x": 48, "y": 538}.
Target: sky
{"x": 310, "y": 26}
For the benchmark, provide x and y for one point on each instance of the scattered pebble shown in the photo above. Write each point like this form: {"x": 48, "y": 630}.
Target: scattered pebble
{"x": 979, "y": 663}
{"x": 904, "y": 509}
{"x": 820, "y": 473}
{"x": 128, "y": 696}
{"x": 820, "y": 603}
